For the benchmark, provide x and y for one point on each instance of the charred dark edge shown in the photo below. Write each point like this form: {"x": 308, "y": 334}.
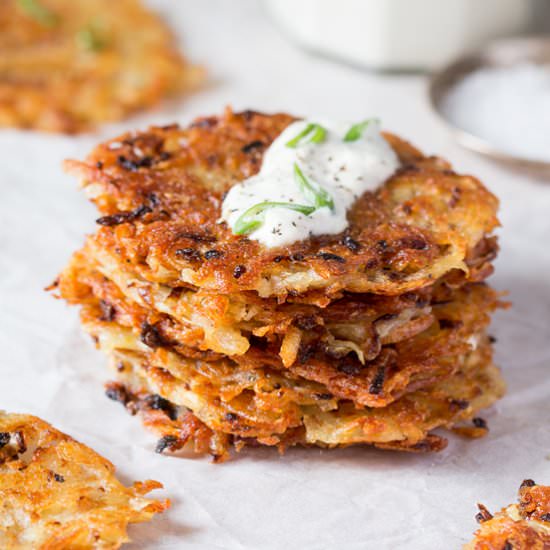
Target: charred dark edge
{"x": 124, "y": 217}
{"x": 4, "y": 439}
{"x": 168, "y": 442}
{"x": 483, "y": 515}
{"x": 480, "y": 423}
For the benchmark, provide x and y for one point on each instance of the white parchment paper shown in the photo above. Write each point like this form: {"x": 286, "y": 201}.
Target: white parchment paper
{"x": 308, "y": 499}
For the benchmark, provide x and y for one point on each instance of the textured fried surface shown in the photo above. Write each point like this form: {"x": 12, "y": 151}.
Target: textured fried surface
{"x": 404, "y": 366}
{"x": 228, "y": 323}
{"x": 374, "y": 336}
{"x": 521, "y": 526}
{"x": 398, "y": 368}
{"x": 85, "y": 63}
{"x": 270, "y": 411}
{"x": 161, "y": 191}
{"x": 56, "y": 493}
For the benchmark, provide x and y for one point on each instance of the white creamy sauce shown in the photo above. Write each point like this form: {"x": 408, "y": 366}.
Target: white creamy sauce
{"x": 343, "y": 169}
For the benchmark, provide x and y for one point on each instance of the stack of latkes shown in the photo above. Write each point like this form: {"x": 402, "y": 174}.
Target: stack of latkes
{"x": 377, "y": 335}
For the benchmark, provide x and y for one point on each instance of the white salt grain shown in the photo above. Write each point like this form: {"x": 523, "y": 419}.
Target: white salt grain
{"x": 509, "y": 107}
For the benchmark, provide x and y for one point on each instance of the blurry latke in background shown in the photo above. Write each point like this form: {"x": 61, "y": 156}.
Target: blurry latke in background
{"x": 67, "y": 65}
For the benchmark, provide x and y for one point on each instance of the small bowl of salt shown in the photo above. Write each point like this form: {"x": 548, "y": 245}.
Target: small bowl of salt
{"x": 497, "y": 102}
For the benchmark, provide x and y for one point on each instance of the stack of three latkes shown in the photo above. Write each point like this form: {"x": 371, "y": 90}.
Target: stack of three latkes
{"x": 374, "y": 336}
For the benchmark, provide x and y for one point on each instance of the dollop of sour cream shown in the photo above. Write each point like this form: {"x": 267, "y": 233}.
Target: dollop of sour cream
{"x": 313, "y": 181}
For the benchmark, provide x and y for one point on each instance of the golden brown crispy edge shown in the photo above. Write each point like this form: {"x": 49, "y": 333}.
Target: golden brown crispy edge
{"x": 160, "y": 193}
{"x": 521, "y": 526}
{"x": 56, "y": 493}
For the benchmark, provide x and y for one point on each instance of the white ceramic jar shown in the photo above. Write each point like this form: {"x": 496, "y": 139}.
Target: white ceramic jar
{"x": 399, "y": 34}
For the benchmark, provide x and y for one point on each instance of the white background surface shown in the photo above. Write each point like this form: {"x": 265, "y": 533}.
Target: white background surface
{"x": 308, "y": 499}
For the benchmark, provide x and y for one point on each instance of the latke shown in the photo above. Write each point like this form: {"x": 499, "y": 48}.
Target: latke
{"x": 68, "y": 65}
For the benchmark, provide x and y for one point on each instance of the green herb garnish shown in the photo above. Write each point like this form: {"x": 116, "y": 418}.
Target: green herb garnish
{"x": 356, "y": 131}
{"x": 253, "y": 218}
{"x": 37, "y": 11}
{"x": 317, "y": 195}
{"x": 89, "y": 39}
{"x": 315, "y": 132}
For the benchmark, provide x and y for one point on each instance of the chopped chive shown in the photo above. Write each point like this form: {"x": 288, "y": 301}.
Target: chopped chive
{"x": 37, "y": 11}
{"x": 246, "y": 222}
{"x": 318, "y": 196}
{"x": 90, "y": 39}
{"x": 293, "y": 143}
{"x": 316, "y": 132}
{"x": 356, "y": 131}
{"x": 319, "y": 134}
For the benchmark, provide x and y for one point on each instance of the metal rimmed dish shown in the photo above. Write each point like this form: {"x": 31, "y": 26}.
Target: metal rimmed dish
{"x": 501, "y": 53}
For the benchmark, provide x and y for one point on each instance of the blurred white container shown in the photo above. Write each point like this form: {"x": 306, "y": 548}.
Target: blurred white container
{"x": 399, "y": 34}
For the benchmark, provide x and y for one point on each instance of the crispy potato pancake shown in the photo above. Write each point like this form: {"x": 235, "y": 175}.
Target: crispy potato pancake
{"x": 284, "y": 417}
{"x": 439, "y": 334}
{"x": 56, "y": 493}
{"x": 521, "y": 526}
{"x": 249, "y": 402}
{"x": 160, "y": 194}
{"x": 404, "y": 366}
{"x": 67, "y": 65}
{"x": 228, "y": 323}
{"x": 263, "y": 399}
